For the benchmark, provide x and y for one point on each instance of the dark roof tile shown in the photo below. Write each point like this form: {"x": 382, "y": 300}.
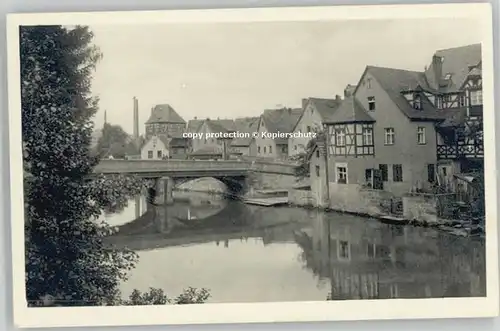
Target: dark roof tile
{"x": 349, "y": 111}
{"x": 164, "y": 114}
{"x": 458, "y": 62}
{"x": 245, "y": 125}
{"x": 281, "y": 120}
{"x": 395, "y": 81}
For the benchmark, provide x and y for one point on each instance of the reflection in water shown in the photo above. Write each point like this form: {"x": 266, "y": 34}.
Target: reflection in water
{"x": 245, "y": 253}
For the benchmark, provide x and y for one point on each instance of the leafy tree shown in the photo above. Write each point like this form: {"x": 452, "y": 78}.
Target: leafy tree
{"x": 115, "y": 141}
{"x": 67, "y": 262}
{"x": 65, "y": 256}
{"x": 303, "y": 158}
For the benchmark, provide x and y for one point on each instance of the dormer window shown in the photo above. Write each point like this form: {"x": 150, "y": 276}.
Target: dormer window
{"x": 447, "y": 77}
{"x": 408, "y": 96}
{"x": 417, "y": 103}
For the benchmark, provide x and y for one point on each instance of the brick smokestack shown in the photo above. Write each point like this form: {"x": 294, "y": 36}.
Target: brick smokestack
{"x": 437, "y": 66}
{"x": 136, "y": 118}
{"x": 304, "y": 103}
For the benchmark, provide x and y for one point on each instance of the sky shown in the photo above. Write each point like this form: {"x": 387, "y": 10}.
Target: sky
{"x": 230, "y": 70}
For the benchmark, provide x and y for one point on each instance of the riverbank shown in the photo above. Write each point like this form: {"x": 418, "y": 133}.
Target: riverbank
{"x": 422, "y": 212}
{"x": 454, "y": 227}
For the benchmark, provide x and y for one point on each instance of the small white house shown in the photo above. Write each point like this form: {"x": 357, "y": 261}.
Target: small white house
{"x": 156, "y": 148}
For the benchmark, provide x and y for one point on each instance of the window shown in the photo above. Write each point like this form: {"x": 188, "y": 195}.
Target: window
{"x": 439, "y": 102}
{"x": 462, "y": 101}
{"x": 397, "y": 173}
{"x": 284, "y": 149}
{"x": 385, "y": 172}
{"x": 340, "y": 137}
{"x": 368, "y": 175}
{"x": 265, "y": 150}
{"x": 367, "y": 136}
{"x": 270, "y": 149}
{"x": 294, "y": 147}
{"x": 341, "y": 173}
{"x": 317, "y": 154}
{"x": 308, "y": 128}
{"x": 476, "y": 98}
{"x": 447, "y": 77}
{"x": 389, "y": 136}
{"x": 394, "y": 291}
{"x": 343, "y": 250}
{"x": 421, "y": 139}
{"x": 317, "y": 170}
{"x": 159, "y": 154}
{"x": 371, "y": 250}
{"x": 417, "y": 103}
{"x": 258, "y": 149}
{"x": 150, "y": 154}
{"x": 431, "y": 173}
{"x": 369, "y": 83}
{"x": 371, "y": 103}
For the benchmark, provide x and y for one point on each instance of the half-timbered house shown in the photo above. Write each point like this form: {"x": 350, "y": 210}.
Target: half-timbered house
{"x": 409, "y": 130}
{"x": 315, "y": 110}
{"x": 460, "y": 146}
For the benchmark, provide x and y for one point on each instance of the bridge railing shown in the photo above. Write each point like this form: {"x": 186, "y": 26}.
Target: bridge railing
{"x": 151, "y": 166}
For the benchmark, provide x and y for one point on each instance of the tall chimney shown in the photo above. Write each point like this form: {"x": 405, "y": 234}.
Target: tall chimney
{"x": 437, "y": 66}
{"x": 304, "y": 103}
{"x": 349, "y": 90}
{"x": 136, "y": 118}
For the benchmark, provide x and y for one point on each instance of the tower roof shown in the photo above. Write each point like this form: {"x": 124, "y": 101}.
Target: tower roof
{"x": 164, "y": 114}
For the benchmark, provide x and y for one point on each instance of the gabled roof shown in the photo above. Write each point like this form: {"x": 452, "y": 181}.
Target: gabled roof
{"x": 245, "y": 125}
{"x": 281, "y": 120}
{"x": 395, "y": 81}
{"x": 349, "y": 111}
{"x": 458, "y": 62}
{"x": 194, "y": 125}
{"x": 164, "y": 114}
{"x": 220, "y": 125}
{"x": 163, "y": 139}
{"x": 324, "y": 107}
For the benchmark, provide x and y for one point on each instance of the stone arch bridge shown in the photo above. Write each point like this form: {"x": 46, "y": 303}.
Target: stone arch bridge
{"x": 237, "y": 175}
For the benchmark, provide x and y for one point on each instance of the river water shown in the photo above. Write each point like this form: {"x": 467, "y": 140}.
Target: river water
{"x": 244, "y": 253}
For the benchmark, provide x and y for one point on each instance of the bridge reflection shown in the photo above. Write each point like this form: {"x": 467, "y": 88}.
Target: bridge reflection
{"x": 199, "y": 218}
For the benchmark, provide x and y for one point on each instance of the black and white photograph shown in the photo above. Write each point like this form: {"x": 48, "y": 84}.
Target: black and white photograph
{"x": 253, "y": 165}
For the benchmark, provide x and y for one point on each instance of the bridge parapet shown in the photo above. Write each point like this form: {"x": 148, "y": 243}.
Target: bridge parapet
{"x": 163, "y": 166}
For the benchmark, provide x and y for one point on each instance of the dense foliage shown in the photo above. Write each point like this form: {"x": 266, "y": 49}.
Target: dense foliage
{"x": 303, "y": 158}
{"x": 67, "y": 262}
{"x": 115, "y": 142}
{"x": 159, "y": 297}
